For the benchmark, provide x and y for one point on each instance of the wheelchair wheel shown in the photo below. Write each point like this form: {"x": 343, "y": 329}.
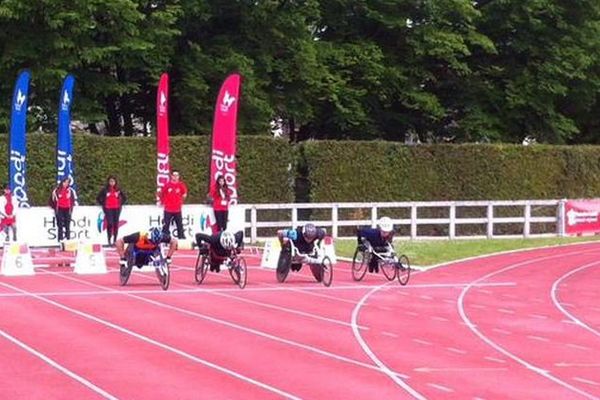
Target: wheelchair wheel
{"x": 201, "y": 268}
{"x": 283, "y": 265}
{"x": 359, "y": 264}
{"x": 403, "y": 270}
{"x": 239, "y": 272}
{"x": 163, "y": 274}
{"x": 125, "y": 272}
{"x": 389, "y": 269}
{"x": 326, "y": 271}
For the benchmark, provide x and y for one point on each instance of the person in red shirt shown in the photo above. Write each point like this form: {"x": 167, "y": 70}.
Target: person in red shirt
{"x": 111, "y": 197}
{"x": 172, "y": 195}
{"x": 219, "y": 197}
{"x": 63, "y": 199}
{"x": 7, "y": 214}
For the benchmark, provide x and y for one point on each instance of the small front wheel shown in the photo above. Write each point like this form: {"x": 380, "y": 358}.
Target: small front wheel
{"x": 163, "y": 274}
{"x": 326, "y": 271}
{"x": 201, "y": 268}
{"x": 359, "y": 264}
{"x": 239, "y": 272}
{"x": 389, "y": 269}
{"x": 125, "y": 270}
{"x": 403, "y": 270}
{"x": 283, "y": 265}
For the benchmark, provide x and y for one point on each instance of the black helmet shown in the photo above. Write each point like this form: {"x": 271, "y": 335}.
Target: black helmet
{"x": 309, "y": 231}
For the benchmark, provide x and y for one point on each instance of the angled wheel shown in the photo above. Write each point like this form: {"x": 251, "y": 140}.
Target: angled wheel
{"x": 389, "y": 269}
{"x": 283, "y": 265}
{"x": 359, "y": 264}
{"x": 239, "y": 272}
{"x": 403, "y": 270}
{"x": 201, "y": 268}
{"x": 163, "y": 274}
{"x": 326, "y": 271}
{"x": 125, "y": 271}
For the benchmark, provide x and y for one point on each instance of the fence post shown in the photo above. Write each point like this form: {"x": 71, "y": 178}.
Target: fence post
{"x": 253, "y": 222}
{"x": 294, "y": 216}
{"x": 560, "y": 223}
{"x": 413, "y": 221}
{"x": 373, "y": 216}
{"x": 334, "y": 221}
{"x": 527, "y": 226}
{"x": 490, "y": 220}
{"x": 452, "y": 226}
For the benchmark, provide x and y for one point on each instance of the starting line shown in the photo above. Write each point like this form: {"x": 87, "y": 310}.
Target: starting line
{"x": 237, "y": 290}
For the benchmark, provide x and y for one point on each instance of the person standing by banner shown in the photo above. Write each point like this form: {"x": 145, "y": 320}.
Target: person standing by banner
{"x": 111, "y": 197}
{"x": 172, "y": 196}
{"x": 8, "y": 207}
{"x": 219, "y": 197}
{"x": 63, "y": 199}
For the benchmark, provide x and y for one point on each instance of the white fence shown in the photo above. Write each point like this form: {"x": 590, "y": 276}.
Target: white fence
{"x": 533, "y": 218}
{"x": 414, "y": 220}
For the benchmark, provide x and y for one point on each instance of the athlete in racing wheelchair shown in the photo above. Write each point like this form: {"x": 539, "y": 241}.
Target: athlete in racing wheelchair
{"x": 222, "y": 248}
{"x": 374, "y": 249}
{"x": 303, "y": 245}
{"x": 143, "y": 248}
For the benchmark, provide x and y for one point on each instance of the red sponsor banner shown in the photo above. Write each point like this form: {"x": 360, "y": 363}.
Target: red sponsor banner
{"x": 582, "y": 216}
{"x": 222, "y": 160}
{"x": 162, "y": 132}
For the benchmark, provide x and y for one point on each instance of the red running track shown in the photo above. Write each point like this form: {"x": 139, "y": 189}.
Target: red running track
{"x": 523, "y": 325}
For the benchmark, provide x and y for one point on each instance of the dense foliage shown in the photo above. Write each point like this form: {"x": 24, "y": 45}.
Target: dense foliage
{"x": 461, "y": 70}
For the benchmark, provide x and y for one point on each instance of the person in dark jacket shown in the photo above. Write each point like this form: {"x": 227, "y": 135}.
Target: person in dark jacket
{"x": 111, "y": 197}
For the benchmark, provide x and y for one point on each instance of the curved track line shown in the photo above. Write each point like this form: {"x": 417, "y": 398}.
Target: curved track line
{"x": 240, "y": 328}
{"x": 488, "y": 341}
{"x": 59, "y": 367}
{"x": 554, "y": 295}
{"x": 363, "y": 344}
{"x": 158, "y": 344}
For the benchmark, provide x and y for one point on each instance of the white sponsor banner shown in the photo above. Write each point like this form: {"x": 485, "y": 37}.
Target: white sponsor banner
{"x": 36, "y": 226}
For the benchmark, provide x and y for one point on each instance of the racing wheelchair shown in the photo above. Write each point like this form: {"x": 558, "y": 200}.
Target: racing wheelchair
{"x": 235, "y": 263}
{"x": 320, "y": 264}
{"x": 392, "y": 265}
{"x": 139, "y": 258}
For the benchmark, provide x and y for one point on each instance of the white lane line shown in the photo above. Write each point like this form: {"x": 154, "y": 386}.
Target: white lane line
{"x": 389, "y": 334}
{"x": 455, "y": 350}
{"x": 58, "y": 366}
{"x": 363, "y": 344}
{"x": 561, "y": 306}
{"x": 423, "y": 342}
{"x": 502, "y": 331}
{"x": 245, "y": 329}
{"x": 426, "y": 297}
{"x": 158, "y": 344}
{"x": 538, "y": 316}
{"x": 578, "y": 346}
{"x": 494, "y": 359}
{"x": 491, "y": 343}
{"x": 589, "y": 382}
{"x": 441, "y": 387}
{"x": 440, "y": 319}
{"x": 506, "y": 311}
{"x": 538, "y": 338}
{"x": 286, "y": 309}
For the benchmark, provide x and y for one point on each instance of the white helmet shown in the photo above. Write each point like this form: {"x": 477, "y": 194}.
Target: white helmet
{"x": 227, "y": 240}
{"x": 385, "y": 224}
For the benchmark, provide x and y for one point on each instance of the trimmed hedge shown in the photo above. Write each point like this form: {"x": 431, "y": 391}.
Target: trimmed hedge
{"x": 264, "y": 167}
{"x": 271, "y": 170}
{"x": 384, "y": 171}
